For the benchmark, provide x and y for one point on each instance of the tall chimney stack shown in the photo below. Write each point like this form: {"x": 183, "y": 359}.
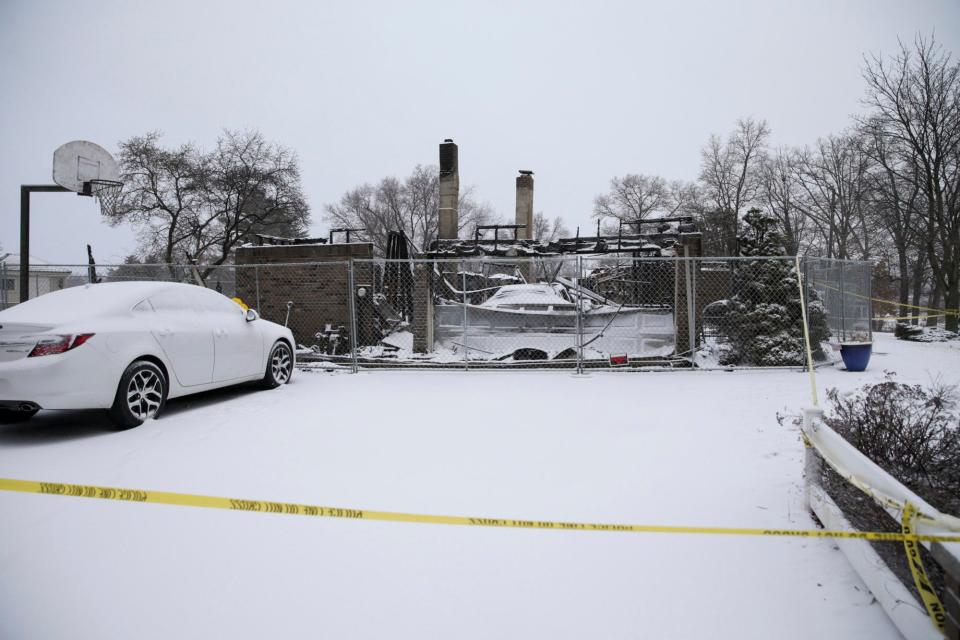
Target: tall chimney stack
{"x": 525, "y": 204}
{"x": 449, "y": 190}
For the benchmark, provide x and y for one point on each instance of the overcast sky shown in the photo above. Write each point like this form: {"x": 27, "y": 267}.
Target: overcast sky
{"x": 577, "y": 92}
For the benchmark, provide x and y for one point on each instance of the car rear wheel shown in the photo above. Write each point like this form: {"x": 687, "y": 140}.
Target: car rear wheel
{"x": 10, "y": 416}
{"x": 279, "y": 366}
{"x": 141, "y": 395}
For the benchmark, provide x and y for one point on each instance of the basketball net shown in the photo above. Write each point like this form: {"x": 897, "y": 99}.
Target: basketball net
{"x": 107, "y": 193}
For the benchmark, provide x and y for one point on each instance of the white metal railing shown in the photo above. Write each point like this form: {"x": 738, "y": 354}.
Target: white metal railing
{"x": 824, "y": 445}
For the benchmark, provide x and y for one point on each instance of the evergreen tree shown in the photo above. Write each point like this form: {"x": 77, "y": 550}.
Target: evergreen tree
{"x": 763, "y": 324}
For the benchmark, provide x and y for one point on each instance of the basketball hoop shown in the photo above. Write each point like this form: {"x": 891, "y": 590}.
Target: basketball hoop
{"x": 79, "y": 166}
{"x": 89, "y": 170}
{"x": 107, "y": 193}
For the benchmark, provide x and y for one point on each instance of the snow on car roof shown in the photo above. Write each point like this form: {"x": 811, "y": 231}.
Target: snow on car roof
{"x": 87, "y": 301}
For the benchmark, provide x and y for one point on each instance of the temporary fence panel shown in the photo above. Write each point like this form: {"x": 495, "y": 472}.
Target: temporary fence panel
{"x": 844, "y": 288}
{"x": 749, "y": 313}
{"x": 596, "y": 312}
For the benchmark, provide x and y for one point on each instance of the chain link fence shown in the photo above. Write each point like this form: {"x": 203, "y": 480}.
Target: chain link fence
{"x": 844, "y": 288}
{"x": 574, "y": 312}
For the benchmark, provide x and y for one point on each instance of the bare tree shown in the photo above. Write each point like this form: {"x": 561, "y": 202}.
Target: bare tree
{"x": 834, "y": 178}
{"x": 410, "y": 205}
{"x": 781, "y": 194}
{"x": 914, "y": 101}
{"x": 686, "y": 198}
{"x": 472, "y": 213}
{"x": 633, "y": 198}
{"x": 423, "y": 201}
{"x": 253, "y": 187}
{"x": 729, "y": 174}
{"x": 163, "y": 189}
{"x": 636, "y": 197}
{"x": 194, "y": 206}
{"x": 897, "y": 203}
{"x": 547, "y": 230}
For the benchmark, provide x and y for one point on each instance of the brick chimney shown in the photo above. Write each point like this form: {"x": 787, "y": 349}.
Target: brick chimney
{"x": 525, "y": 204}
{"x": 449, "y": 190}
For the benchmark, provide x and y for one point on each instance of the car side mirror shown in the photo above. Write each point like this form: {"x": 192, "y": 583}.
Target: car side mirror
{"x": 251, "y": 315}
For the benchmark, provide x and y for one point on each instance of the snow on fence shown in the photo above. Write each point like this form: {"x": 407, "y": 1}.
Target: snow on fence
{"x": 908, "y": 614}
{"x": 572, "y": 311}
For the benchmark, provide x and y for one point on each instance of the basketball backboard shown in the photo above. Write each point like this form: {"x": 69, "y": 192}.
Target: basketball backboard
{"x": 76, "y": 163}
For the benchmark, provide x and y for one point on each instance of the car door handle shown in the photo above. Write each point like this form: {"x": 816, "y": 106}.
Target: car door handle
{"x": 164, "y": 332}
{"x": 219, "y": 332}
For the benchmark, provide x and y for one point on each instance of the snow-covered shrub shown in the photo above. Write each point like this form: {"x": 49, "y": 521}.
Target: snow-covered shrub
{"x": 911, "y": 431}
{"x": 763, "y": 322}
{"x": 914, "y": 333}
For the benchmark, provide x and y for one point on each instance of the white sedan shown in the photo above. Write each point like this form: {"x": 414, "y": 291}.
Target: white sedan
{"x": 130, "y": 346}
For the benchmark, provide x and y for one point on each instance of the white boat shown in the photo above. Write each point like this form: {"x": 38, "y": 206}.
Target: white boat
{"x": 540, "y": 321}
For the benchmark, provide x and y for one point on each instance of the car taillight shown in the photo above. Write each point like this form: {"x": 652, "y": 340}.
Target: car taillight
{"x": 58, "y": 344}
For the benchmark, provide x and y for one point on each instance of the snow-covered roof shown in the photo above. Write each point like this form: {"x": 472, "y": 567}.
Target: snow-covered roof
{"x": 12, "y": 262}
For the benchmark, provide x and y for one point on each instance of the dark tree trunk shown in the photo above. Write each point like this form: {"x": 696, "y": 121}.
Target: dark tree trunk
{"x": 952, "y": 321}
{"x": 917, "y": 287}
{"x": 904, "y": 283}
{"x": 933, "y": 320}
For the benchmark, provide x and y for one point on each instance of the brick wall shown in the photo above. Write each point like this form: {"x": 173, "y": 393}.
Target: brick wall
{"x": 270, "y": 276}
{"x": 422, "y": 320}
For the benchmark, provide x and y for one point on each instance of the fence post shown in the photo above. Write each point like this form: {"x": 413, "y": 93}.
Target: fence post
{"x": 352, "y": 313}
{"x": 691, "y": 306}
{"x": 579, "y": 342}
{"x": 870, "y": 316}
{"x": 256, "y": 277}
{"x": 463, "y": 292}
{"x": 843, "y": 307}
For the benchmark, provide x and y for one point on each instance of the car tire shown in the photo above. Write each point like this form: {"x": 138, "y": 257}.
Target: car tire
{"x": 141, "y": 395}
{"x": 11, "y": 416}
{"x": 279, "y": 366}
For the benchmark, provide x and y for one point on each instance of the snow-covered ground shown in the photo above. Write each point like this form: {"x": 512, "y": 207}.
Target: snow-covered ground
{"x": 698, "y": 448}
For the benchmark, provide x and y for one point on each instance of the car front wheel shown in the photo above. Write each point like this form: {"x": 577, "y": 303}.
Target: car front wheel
{"x": 279, "y": 365}
{"x": 140, "y": 396}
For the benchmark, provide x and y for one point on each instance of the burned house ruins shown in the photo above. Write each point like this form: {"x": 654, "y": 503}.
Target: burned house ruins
{"x": 495, "y": 296}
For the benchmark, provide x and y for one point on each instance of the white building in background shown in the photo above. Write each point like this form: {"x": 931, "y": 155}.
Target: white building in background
{"x": 44, "y": 278}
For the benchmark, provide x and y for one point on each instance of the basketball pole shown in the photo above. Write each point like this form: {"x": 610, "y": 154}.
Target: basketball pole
{"x": 25, "y": 191}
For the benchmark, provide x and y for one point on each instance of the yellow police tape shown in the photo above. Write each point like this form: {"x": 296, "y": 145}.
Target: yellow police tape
{"x": 289, "y": 508}
{"x": 927, "y": 594}
{"x": 885, "y": 318}
{"x": 949, "y": 312}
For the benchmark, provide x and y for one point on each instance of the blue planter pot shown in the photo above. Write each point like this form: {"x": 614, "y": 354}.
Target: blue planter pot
{"x": 856, "y": 355}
